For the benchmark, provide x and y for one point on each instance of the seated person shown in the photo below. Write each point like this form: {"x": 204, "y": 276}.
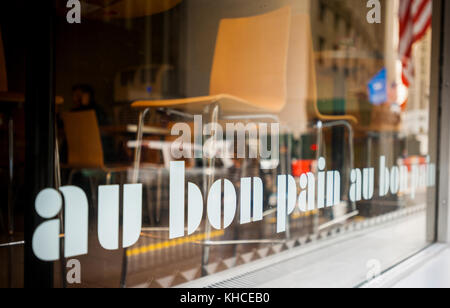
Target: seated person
{"x": 84, "y": 99}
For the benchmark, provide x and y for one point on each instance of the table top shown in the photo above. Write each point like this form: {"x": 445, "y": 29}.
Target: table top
{"x": 129, "y": 9}
{"x": 12, "y": 97}
{"x": 19, "y": 97}
{"x": 132, "y": 129}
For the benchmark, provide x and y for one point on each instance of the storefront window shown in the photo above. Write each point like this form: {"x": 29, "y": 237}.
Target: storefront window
{"x": 196, "y": 136}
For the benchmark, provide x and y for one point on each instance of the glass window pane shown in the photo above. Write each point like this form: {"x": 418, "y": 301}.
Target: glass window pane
{"x": 203, "y": 135}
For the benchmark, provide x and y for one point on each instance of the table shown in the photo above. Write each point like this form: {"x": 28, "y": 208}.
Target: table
{"x": 132, "y": 129}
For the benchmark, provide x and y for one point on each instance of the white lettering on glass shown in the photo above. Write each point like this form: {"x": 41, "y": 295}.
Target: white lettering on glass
{"x": 251, "y": 140}
{"x": 76, "y": 221}
{"x": 108, "y": 215}
{"x": 246, "y": 197}
{"x": 74, "y": 14}
{"x": 48, "y": 204}
{"x": 74, "y": 273}
{"x": 374, "y": 15}
{"x": 312, "y": 192}
{"x": 45, "y": 244}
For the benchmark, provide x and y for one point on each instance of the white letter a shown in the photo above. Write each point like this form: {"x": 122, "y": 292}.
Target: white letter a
{"x": 74, "y": 15}
{"x": 374, "y": 15}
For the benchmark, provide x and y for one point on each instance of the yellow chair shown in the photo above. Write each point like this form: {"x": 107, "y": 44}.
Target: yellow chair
{"x": 263, "y": 66}
{"x": 85, "y": 150}
{"x": 248, "y": 75}
{"x": 249, "y": 68}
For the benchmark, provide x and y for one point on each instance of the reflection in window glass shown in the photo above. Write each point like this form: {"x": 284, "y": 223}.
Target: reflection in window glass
{"x": 255, "y": 127}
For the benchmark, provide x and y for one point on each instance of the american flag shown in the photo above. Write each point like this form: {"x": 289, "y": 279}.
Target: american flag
{"x": 415, "y": 19}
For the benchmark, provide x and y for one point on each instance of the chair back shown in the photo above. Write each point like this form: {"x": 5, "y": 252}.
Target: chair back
{"x": 250, "y": 59}
{"x": 84, "y": 143}
{"x": 3, "y": 75}
{"x": 301, "y": 76}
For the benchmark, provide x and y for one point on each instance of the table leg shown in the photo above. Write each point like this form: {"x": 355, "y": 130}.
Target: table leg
{"x": 2, "y": 220}
{"x": 10, "y": 196}
{"x": 138, "y": 149}
{"x": 11, "y": 176}
{"x": 159, "y": 195}
{"x": 62, "y": 262}
{"x": 208, "y": 182}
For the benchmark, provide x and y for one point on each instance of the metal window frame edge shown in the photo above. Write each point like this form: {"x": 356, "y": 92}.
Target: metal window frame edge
{"x": 440, "y": 117}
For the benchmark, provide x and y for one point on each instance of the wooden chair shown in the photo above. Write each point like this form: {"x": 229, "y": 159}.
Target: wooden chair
{"x": 85, "y": 150}
{"x": 257, "y": 86}
{"x": 248, "y": 75}
{"x": 249, "y": 68}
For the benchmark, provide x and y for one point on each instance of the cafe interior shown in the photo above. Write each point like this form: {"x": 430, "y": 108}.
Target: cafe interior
{"x": 132, "y": 69}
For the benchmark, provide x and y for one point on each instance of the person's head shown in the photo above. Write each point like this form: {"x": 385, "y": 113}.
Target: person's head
{"x": 83, "y": 95}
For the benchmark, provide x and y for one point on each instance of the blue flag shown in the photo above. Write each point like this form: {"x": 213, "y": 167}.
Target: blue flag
{"x": 378, "y": 89}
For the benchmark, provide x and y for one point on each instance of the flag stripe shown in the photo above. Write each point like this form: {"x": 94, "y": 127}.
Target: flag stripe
{"x": 414, "y": 21}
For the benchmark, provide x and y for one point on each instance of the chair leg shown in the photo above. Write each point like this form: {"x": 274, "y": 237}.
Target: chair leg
{"x": 93, "y": 184}
{"x": 137, "y": 161}
{"x": 58, "y": 184}
{"x": 138, "y": 149}
{"x": 288, "y": 170}
{"x": 319, "y": 133}
{"x": 10, "y": 212}
{"x": 57, "y": 165}
{"x": 150, "y": 203}
{"x": 350, "y": 144}
{"x": 108, "y": 178}
{"x": 71, "y": 174}
{"x": 351, "y": 157}
{"x": 158, "y": 196}
{"x": 208, "y": 182}
{"x": 2, "y": 221}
